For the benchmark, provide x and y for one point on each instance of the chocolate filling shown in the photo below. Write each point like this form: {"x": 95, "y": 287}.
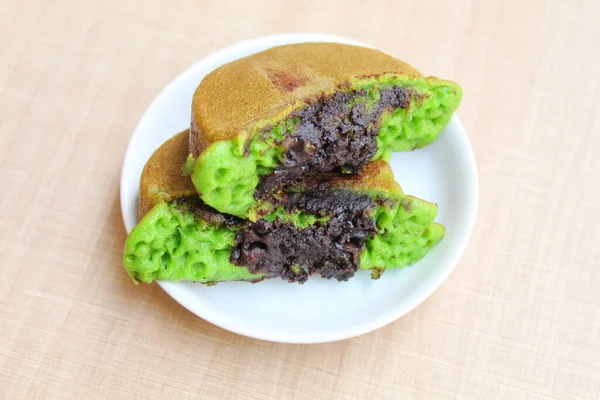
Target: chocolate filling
{"x": 331, "y": 134}
{"x": 330, "y": 248}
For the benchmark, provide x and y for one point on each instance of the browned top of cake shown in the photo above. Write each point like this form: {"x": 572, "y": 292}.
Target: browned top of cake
{"x": 162, "y": 178}
{"x": 265, "y": 84}
{"x": 376, "y": 175}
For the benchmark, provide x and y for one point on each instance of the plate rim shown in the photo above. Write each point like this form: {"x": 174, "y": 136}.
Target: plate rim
{"x": 171, "y": 288}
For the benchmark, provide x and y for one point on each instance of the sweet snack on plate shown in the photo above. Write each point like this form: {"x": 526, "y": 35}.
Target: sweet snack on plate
{"x": 331, "y": 227}
{"x": 267, "y": 122}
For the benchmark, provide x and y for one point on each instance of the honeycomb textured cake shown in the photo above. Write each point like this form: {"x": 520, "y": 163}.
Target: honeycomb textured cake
{"x": 266, "y": 122}
{"x": 331, "y": 228}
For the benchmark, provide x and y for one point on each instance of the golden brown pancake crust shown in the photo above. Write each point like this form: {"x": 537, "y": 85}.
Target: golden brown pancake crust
{"x": 265, "y": 84}
{"x": 162, "y": 178}
{"x": 376, "y": 175}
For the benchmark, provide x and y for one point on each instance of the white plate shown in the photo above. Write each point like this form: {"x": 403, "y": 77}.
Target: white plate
{"x": 320, "y": 310}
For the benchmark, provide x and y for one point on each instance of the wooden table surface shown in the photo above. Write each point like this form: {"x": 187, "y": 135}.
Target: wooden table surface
{"x": 519, "y": 318}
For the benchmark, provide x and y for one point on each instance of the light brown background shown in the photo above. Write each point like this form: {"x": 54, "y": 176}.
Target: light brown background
{"x": 518, "y": 319}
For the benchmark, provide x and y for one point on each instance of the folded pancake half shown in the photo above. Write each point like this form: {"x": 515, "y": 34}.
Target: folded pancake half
{"x": 331, "y": 228}
{"x": 270, "y": 120}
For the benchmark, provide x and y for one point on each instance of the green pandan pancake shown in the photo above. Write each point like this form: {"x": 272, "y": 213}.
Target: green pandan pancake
{"x": 332, "y": 229}
{"x": 267, "y": 121}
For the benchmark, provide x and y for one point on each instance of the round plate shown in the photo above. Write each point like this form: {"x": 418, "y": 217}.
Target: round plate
{"x": 320, "y": 310}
